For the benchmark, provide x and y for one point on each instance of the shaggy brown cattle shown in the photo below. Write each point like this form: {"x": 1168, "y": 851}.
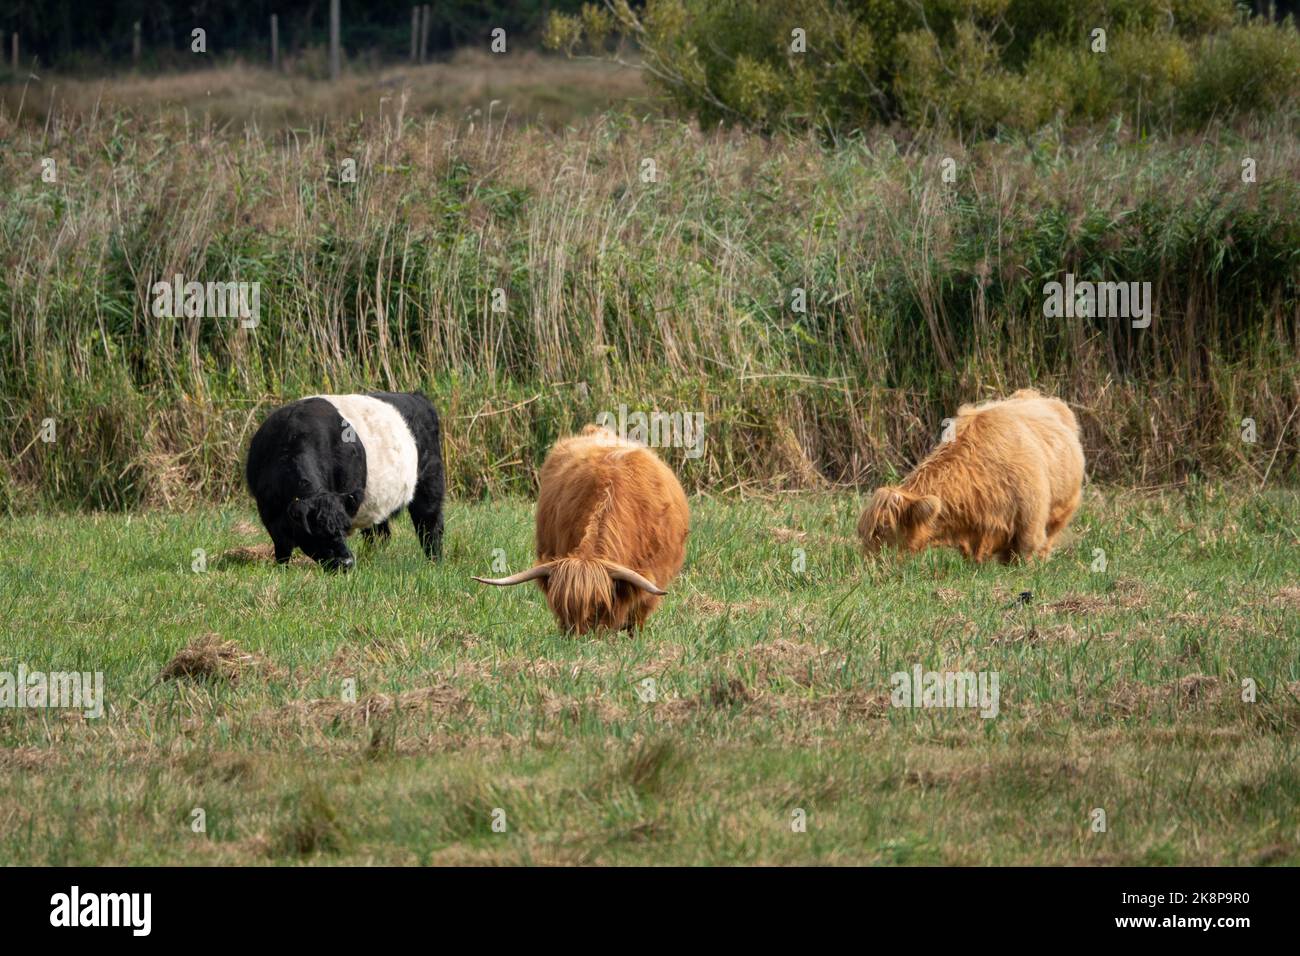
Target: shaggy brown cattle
{"x": 1005, "y": 484}
{"x": 611, "y": 532}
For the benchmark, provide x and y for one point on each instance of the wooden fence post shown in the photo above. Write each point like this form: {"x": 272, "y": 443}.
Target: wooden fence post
{"x": 426, "y": 19}
{"x": 335, "y": 53}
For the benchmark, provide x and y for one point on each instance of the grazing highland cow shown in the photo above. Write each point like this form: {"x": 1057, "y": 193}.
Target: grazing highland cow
{"x": 611, "y": 532}
{"x": 1004, "y": 485}
{"x": 325, "y": 466}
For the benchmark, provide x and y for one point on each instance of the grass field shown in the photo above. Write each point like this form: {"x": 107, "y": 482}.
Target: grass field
{"x": 229, "y": 98}
{"x": 1120, "y": 689}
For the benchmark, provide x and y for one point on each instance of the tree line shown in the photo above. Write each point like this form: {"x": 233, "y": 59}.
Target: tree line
{"x": 73, "y": 34}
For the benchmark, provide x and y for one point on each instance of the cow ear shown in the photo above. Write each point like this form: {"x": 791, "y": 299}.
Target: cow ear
{"x": 352, "y": 501}
{"x": 924, "y": 509}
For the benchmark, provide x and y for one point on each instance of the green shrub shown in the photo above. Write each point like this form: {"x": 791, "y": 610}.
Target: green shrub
{"x": 1145, "y": 70}
{"x": 965, "y": 87}
{"x": 970, "y": 66}
{"x": 1250, "y": 68}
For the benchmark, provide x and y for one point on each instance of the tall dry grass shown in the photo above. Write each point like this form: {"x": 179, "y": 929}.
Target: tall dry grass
{"x": 672, "y": 294}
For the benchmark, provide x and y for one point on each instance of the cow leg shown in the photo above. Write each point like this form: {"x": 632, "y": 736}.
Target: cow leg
{"x": 381, "y": 531}
{"x": 980, "y": 548}
{"x": 1060, "y": 517}
{"x": 283, "y": 549}
{"x": 281, "y": 536}
{"x": 426, "y": 515}
{"x": 1029, "y": 538}
{"x": 1029, "y": 542}
{"x": 426, "y": 504}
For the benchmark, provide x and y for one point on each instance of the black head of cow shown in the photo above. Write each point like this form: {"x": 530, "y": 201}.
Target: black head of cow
{"x": 320, "y": 524}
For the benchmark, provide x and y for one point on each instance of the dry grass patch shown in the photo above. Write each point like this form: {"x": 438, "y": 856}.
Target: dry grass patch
{"x": 1078, "y": 604}
{"x": 1126, "y": 699}
{"x": 1193, "y": 688}
{"x": 745, "y": 703}
{"x": 803, "y": 664}
{"x": 841, "y": 705}
{"x": 1288, "y": 597}
{"x": 1130, "y": 594}
{"x": 711, "y": 607}
{"x": 1219, "y": 623}
{"x": 727, "y": 692}
{"x": 209, "y": 658}
{"x": 441, "y": 699}
{"x": 1277, "y": 853}
{"x": 931, "y": 778}
{"x": 522, "y": 85}
{"x": 27, "y": 758}
{"x": 1037, "y": 634}
{"x": 574, "y": 708}
{"x": 256, "y": 554}
{"x": 220, "y": 766}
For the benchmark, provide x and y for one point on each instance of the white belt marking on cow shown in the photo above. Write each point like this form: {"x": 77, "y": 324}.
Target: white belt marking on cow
{"x": 391, "y": 455}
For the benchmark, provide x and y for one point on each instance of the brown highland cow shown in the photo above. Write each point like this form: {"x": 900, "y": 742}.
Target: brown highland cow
{"x": 1004, "y": 485}
{"x": 611, "y": 532}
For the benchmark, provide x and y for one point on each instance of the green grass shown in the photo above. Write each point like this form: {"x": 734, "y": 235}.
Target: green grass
{"x": 1119, "y": 689}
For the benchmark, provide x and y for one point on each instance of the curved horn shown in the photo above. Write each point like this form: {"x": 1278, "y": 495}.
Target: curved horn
{"x": 620, "y": 573}
{"x": 540, "y": 571}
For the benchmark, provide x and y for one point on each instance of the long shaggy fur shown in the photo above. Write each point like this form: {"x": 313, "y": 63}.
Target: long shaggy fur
{"x": 1004, "y": 486}
{"x": 607, "y": 500}
{"x": 607, "y": 504}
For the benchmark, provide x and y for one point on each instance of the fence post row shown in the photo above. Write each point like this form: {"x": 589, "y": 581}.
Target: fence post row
{"x": 421, "y": 21}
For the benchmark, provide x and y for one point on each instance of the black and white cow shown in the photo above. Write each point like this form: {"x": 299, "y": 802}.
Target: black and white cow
{"x": 325, "y": 466}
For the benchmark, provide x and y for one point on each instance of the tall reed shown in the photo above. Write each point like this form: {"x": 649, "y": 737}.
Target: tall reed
{"x": 672, "y": 292}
